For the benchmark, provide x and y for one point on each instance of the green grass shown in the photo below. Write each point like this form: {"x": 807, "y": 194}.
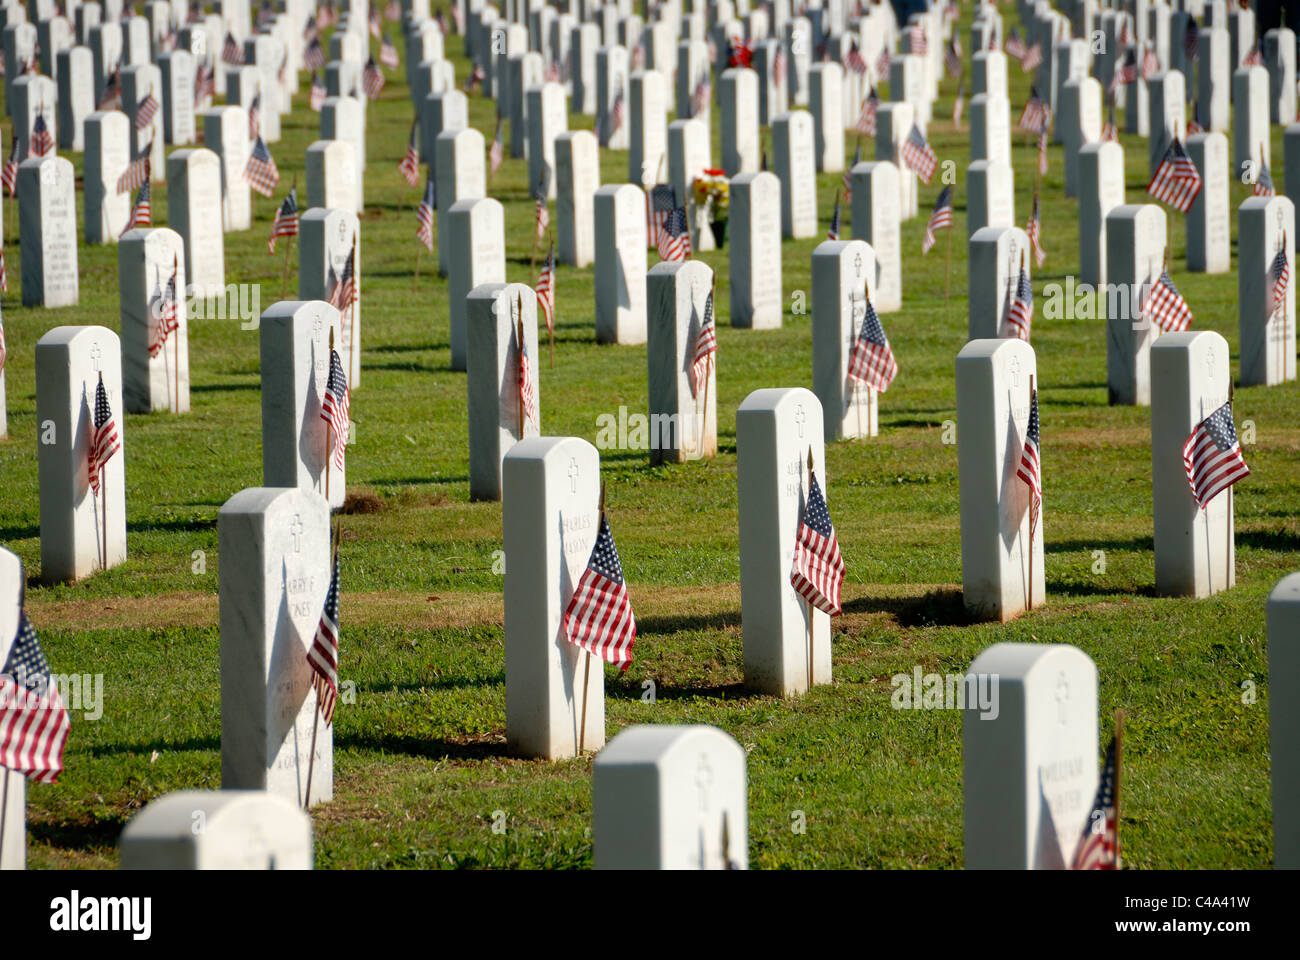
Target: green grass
{"x": 420, "y": 762}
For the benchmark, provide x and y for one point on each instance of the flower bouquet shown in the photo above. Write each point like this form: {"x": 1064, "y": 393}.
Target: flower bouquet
{"x": 713, "y": 196}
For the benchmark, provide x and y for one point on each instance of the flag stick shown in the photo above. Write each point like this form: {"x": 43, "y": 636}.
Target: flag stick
{"x": 809, "y": 602}
{"x": 352, "y": 312}
{"x": 586, "y": 679}
{"x": 947, "y": 276}
{"x": 709, "y": 368}
{"x": 1119, "y": 750}
{"x": 315, "y": 721}
{"x": 519, "y": 340}
{"x": 284, "y": 281}
{"x": 551, "y": 326}
{"x": 1031, "y": 516}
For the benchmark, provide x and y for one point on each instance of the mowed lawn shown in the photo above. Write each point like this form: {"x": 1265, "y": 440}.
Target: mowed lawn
{"x": 420, "y": 764}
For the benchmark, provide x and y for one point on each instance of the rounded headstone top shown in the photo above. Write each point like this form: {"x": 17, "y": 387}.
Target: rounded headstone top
{"x": 1021, "y": 661}
{"x": 1186, "y": 339}
{"x": 1285, "y": 593}
{"x": 984, "y": 349}
{"x": 259, "y": 500}
{"x": 550, "y": 448}
{"x": 65, "y": 335}
{"x": 651, "y": 743}
{"x": 772, "y": 398}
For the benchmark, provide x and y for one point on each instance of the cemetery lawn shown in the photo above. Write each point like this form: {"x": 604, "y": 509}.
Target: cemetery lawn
{"x": 420, "y": 764}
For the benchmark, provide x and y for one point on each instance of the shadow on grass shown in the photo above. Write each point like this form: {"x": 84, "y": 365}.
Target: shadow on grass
{"x": 1276, "y": 540}
{"x": 468, "y": 748}
{"x": 937, "y": 608}
{"x": 410, "y": 367}
{"x": 87, "y": 835}
{"x": 223, "y": 387}
{"x": 191, "y": 525}
{"x": 146, "y": 749}
{"x": 404, "y": 348}
{"x": 20, "y": 533}
{"x": 1082, "y": 588}
{"x": 679, "y": 624}
{"x": 1145, "y": 544}
{"x": 720, "y": 691}
{"x": 438, "y": 683}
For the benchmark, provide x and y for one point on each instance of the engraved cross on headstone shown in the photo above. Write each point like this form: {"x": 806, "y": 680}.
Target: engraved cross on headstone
{"x": 96, "y": 357}
{"x": 296, "y": 530}
{"x": 857, "y": 264}
{"x": 703, "y": 780}
{"x": 1013, "y": 371}
{"x": 800, "y": 418}
{"x": 1062, "y": 695}
{"x": 573, "y": 474}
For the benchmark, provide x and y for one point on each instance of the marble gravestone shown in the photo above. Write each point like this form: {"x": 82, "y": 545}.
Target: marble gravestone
{"x": 990, "y": 127}
{"x": 988, "y": 71}
{"x": 523, "y": 71}
{"x": 738, "y": 103}
{"x": 893, "y": 123}
{"x": 327, "y": 237}
{"x": 1167, "y": 102}
{"x": 990, "y": 196}
{"x": 620, "y": 266}
{"x": 194, "y": 212}
{"x": 550, "y": 516}
{"x": 295, "y": 353}
{"x": 1080, "y": 124}
{"x": 33, "y": 96}
{"x": 177, "y": 87}
{"x": 476, "y": 235}
{"x": 1101, "y": 190}
{"x": 496, "y": 313}
{"x": 275, "y": 574}
{"x": 333, "y": 179}
{"x": 688, "y": 158}
{"x": 225, "y": 132}
{"x": 792, "y": 141}
{"x": 754, "y": 254}
{"x": 876, "y": 220}
{"x": 547, "y": 119}
{"x": 1279, "y": 52}
{"x": 1030, "y": 771}
{"x": 1209, "y": 245}
{"x": 13, "y": 785}
{"x": 344, "y": 118}
{"x": 841, "y": 271}
{"x": 683, "y": 411}
{"x": 440, "y": 113}
{"x": 647, "y": 155}
{"x": 47, "y": 232}
{"x": 1283, "y": 619}
{"x": 577, "y": 167}
{"x": 76, "y": 96}
{"x": 996, "y": 255}
{"x": 1213, "y": 79}
{"x": 138, "y": 83}
{"x": 611, "y": 85}
{"x": 692, "y": 72}
{"x": 1250, "y": 133}
{"x": 461, "y": 175}
{"x": 1135, "y": 257}
{"x": 1002, "y": 562}
{"x": 1194, "y": 551}
{"x": 825, "y": 101}
{"x": 81, "y": 531}
{"x": 776, "y": 429}
{"x": 670, "y": 797}
{"x": 155, "y": 364}
{"x": 240, "y": 830}
{"x": 1266, "y": 225}
{"x": 107, "y": 157}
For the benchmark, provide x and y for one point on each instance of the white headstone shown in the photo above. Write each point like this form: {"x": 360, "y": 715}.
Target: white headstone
{"x": 1279, "y": 53}
{"x": 876, "y": 220}
{"x": 1194, "y": 552}
{"x": 990, "y": 195}
{"x": 754, "y": 254}
{"x": 1250, "y": 134}
{"x": 47, "y": 231}
{"x": 1168, "y": 112}
{"x": 177, "y": 68}
{"x": 792, "y": 140}
{"x": 894, "y": 121}
{"x": 738, "y": 100}
{"x": 1002, "y": 561}
{"x": 647, "y": 156}
{"x": 990, "y": 128}
{"x": 344, "y": 118}
{"x": 620, "y": 270}
{"x": 547, "y": 118}
{"x": 1135, "y": 256}
{"x": 138, "y": 83}
{"x": 1101, "y": 190}
{"x": 332, "y": 176}
{"x": 1209, "y": 242}
{"x": 841, "y": 275}
{"x": 194, "y": 212}
{"x": 825, "y": 97}
{"x": 240, "y": 830}
{"x": 996, "y": 255}
{"x": 1214, "y": 79}
{"x": 776, "y": 428}
{"x": 577, "y": 165}
{"x": 225, "y": 132}
{"x": 611, "y": 84}
{"x": 76, "y": 96}
{"x": 81, "y": 531}
{"x": 327, "y": 237}
{"x": 1284, "y": 720}
{"x": 1267, "y": 336}
{"x": 107, "y": 157}
{"x": 670, "y": 797}
{"x": 274, "y": 577}
{"x": 683, "y": 409}
{"x": 441, "y": 112}
{"x": 476, "y": 237}
{"x": 550, "y": 517}
{"x": 155, "y": 361}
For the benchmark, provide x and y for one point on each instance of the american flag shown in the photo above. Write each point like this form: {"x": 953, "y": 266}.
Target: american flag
{"x": 1014, "y": 46}
{"x": 477, "y": 75}
{"x": 9, "y": 176}
{"x": 286, "y": 220}
{"x": 4, "y": 288}
{"x": 882, "y": 64}
{"x": 313, "y": 58}
{"x": 700, "y": 98}
{"x": 1034, "y": 229}
{"x": 496, "y": 152}
{"x": 372, "y": 78}
{"x": 952, "y": 56}
{"x": 310, "y": 31}
{"x": 424, "y": 214}
{"x": 872, "y": 359}
{"x": 323, "y": 656}
{"x": 167, "y": 313}
{"x": 1032, "y": 58}
{"x": 255, "y": 116}
{"x": 527, "y": 392}
{"x": 1253, "y": 58}
{"x": 141, "y": 213}
{"x": 1029, "y": 470}
{"x": 145, "y": 111}
{"x": 104, "y": 440}
{"x": 675, "y": 237}
{"x": 42, "y": 144}
{"x": 778, "y": 66}
{"x": 1098, "y": 848}
{"x": 1280, "y": 273}
{"x": 33, "y": 721}
{"x": 1036, "y": 113}
{"x": 818, "y": 568}
{"x": 261, "y": 172}
{"x": 1193, "y": 124}
{"x": 1190, "y": 38}
{"x": 393, "y": 11}
{"x": 334, "y": 407}
{"x": 554, "y": 72}
{"x": 231, "y": 52}
{"x": 1042, "y": 153}
{"x": 388, "y": 54}
{"x": 410, "y": 162}
{"x": 847, "y": 179}
{"x": 1165, "y": 306}
{"x": 959, "y": 104}
{"x": 205, "y": 83}
{"x": 542, "y": 217}
{"x": 1176, "y": 181}
{"x": 1109, "y": 131}
{"x": 1212, "y": 456}
{"x": 940, "y": 219}
{"x": 1150, "y": 62}
{"x": 614, "y": 119}
{"x": 1126, "y": 73}
{"x": 660, "y": 201}
{"x": 316, "y": 96}
{"x": 870, "y": 110}
{"x": 1264, "y": 181}
{"x": 916, "y": 42}
{"x": 1020, "y": 318}
{"x": 599, "y": 615}
{"x": 706, "y": 348}
{"x": 344, "y": 291}
{"x": 376, "y": 27}
{"x": 833, "y": 233}
{"x": 136, "y": 174}
{"x": 545, "y": 289}
{"x": 918, "y": 156}
{"x": 853, "y": 61}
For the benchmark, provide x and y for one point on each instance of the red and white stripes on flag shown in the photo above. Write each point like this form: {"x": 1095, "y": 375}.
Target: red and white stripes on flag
{"x": 1042, "y": 154}
{"x": 1279, "y": 272}
{"x": 286, "y": 220}
{"x": 410, "y": 162}
{"x": 1020, "y": 318}
{"x": 1098, "y": 848}
{"x": 1176, "y": 181}
{"x": 166, "y": 312}
{"x": 872, "y": 359}
{"x": 818, "y": 570}
{"x": 940, "y": 219}
{"x": 316, "y": 95}
{"x": 1212, "y": 456}
{"x": 424, "y": 215}
{"x": 323, "y": 655}
{"x": 545, "y": 289}
{"x": 527, "y": 391}
{"x": 542, "y": 217}
{"x": 33, "y": 721}
{"x": 145, "y": 111}
{"x": 1030, "y": 470}
{"x": 867, "y": 116}
{"x": 918, "y": 156}
{"x": 599, "y": 615}
{"x": 1034, "y": 229}
{"x": 1165, "y": 306}
{"x": 496, "y": 152}
{"x": 334, "y": 407}
{"x": 706, "y": 348}
{"x": 675, "y": 237}
{"x": 104, "y": 438}
{"x": 136, "y": 174}
{"x": 261, "y": 172}
{"x": 1034, "y": 118}
{"x": 141, "y": 213}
